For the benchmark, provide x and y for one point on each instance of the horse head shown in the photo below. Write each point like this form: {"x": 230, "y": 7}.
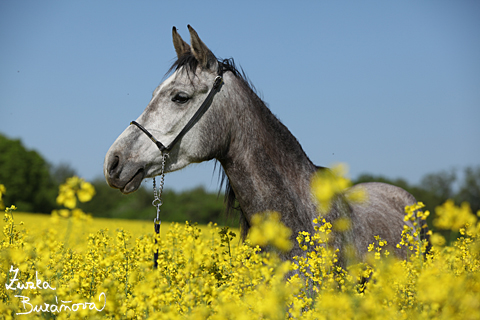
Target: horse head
{"x": 173, "y": 106}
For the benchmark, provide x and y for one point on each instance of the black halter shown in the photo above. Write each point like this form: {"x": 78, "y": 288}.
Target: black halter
{"x": 203, "y": 108}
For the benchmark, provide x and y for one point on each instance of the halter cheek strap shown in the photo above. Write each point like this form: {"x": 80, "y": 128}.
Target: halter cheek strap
{"x": 203, "y": 108}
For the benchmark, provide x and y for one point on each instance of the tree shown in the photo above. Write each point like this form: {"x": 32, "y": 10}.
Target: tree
{"x": 440, "y": 184}
{"x": 470, "y": 188}
{"x": 26, "y": 177}
{"x": 60, "y": 173}
{"x": 195, "y": 205}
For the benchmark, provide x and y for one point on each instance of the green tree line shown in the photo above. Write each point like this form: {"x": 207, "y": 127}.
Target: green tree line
{"x": 32, "y": 185}
{"x": 196, "y": 205}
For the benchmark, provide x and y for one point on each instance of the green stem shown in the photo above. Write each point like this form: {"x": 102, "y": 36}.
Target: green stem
{"x": 12, "y": 229}
{"x": 126, "y": 267}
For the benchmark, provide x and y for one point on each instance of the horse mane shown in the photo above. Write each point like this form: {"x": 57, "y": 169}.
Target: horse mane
{"x": 190, "y": 64}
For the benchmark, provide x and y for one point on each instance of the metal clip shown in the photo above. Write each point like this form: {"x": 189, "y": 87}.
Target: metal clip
{"x": 218, "y": 81}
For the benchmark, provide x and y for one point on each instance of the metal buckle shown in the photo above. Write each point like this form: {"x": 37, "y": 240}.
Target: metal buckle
{"x": 217, "y": 82}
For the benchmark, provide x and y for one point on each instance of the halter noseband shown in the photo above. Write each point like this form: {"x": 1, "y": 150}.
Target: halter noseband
{"x": 203, "y": 108}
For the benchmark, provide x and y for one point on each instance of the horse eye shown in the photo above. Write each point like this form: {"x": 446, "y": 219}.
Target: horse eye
{"x": 181, "y": 97}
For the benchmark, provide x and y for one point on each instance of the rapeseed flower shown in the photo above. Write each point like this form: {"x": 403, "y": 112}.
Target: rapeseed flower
{"x": 326, "y": 184}
{"x": 2, "y": 192}
{"x": 268, "y": 230}
{"x": 205, "y": 272}
{"x": 75, "y": 187}
{"x": 451, "y": 217}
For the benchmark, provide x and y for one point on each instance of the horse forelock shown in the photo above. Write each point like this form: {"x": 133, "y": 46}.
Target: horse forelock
{"x": 187, "y": 61}
{"x": 190, "y": 64}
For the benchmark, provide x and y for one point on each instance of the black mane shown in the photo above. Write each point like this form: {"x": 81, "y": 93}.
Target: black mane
{"x": 190, "y": 64}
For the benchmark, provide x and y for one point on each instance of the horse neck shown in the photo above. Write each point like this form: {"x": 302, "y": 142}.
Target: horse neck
{"x": 266, "y": 166}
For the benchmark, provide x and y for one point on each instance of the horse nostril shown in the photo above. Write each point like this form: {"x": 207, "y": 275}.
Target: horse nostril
{"x": 113, "y": 165}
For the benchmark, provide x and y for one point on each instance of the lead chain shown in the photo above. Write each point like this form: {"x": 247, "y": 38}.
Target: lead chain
{"x": 157, "y": 193}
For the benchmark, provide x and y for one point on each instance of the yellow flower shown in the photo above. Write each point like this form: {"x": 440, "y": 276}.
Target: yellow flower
{"x": 267, "y": 229}
{"x": 205, "y": 275}
{"x": 86, "y": 192}
{"x": 66, "y": 196}
{"x": 437, "y": 240}
{"x": 326, "y": 184}
{"x": 3, "y": 190}
{"x": 357, "y": 195}
{"x": 342, "y": 224}
{"x": 73, "y": 182}
{"x": 64, "y": 213}
{"x": 75, "y": 187}
{"x": 449, "y": 216}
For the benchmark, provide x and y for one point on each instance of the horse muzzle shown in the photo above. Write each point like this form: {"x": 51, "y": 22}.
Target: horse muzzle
{"x": 121, "y": 175}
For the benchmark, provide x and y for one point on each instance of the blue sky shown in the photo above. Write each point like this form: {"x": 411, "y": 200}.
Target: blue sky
{"x": 389, "y": 87}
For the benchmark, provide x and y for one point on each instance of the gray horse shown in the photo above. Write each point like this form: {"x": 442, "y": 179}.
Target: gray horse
{"x": 266, "y": 168}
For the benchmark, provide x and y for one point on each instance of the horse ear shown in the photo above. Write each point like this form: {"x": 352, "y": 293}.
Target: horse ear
{"x": 200, "y": 51}
{"x": 181, "y": 47}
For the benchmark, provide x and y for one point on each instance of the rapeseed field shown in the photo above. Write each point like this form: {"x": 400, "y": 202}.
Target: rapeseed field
{"x": 68, "y": 265}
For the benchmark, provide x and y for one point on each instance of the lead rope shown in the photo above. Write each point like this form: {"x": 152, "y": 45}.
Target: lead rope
{"x": 157, "y": 203}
